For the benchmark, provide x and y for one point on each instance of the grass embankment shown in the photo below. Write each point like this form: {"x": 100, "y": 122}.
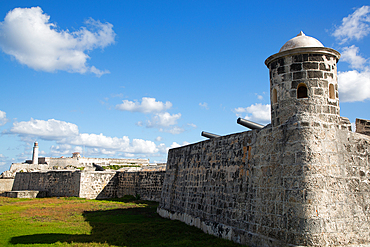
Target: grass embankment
{"x": 80, "y": 222}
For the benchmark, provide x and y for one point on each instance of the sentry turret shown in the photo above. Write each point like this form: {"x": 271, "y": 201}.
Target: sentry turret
{"x": 303, "y": 79}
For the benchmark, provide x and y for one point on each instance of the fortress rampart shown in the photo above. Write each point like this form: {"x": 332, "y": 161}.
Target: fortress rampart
{"x": 93, "y": 184}
{"x": 262, "y": 189}
{"x": 303, "y": 180}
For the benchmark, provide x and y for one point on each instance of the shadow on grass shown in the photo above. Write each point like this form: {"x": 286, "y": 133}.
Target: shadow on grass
{"x": 130, "y": 227}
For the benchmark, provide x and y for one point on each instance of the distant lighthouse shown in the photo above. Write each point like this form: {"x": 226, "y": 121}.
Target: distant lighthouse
{"x": 35, "y": 156}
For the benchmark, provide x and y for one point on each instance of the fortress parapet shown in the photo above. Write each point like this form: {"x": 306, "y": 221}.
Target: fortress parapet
{"x": 304, "y": 180}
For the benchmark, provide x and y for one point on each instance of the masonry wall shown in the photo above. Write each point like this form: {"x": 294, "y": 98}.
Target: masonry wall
{"x": 6, "y": 184}
{"x": 363, "y": 126}
{"x": 56, "y": 183}
{"x": 146, "y": 185}
{"x": 93, "y": 184}
{"x": 296, "y": 184}
{"x": 98, "y": 185}
{"x": 343, "y": 202}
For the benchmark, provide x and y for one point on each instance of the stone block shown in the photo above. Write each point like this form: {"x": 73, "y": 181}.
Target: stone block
{"x": 315, "y": 57}
{"x": 295, "y": 67}
{"x": 299, "y": 75}
{"x": 308, "y": 66}
{"x": 315, "y": 74}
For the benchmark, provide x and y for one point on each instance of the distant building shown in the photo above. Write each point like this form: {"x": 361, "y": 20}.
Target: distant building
{"x": 71, "y": 163}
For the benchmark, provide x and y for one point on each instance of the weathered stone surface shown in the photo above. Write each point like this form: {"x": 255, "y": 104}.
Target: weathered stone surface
{"x": 363, "y": 126}
{"x": 301, "y": 181}
{"x": 93, "y": 184}
{"x": 264, "y": 184}
{"x": 6, "y": 184}
{"x": 57, "y": 183}
{"x": 25, "y": 194}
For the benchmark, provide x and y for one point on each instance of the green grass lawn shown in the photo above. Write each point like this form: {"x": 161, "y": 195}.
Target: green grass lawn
{"x": 80, "y": 222}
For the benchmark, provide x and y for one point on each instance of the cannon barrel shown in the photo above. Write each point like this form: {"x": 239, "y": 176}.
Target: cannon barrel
{"x": 209, "y": 135}
{"x": 249, "y": 124}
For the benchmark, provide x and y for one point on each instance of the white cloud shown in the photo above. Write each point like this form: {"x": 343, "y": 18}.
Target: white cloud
{"x": 140, "y": 123}
{"x": 354, "y": 85}
{"x": 147, "y": 105}
{"x": 354, "y": 26}
{"x": 176, "y": 145}
{"x": 162, "y": 148}
{"x": 28, "y": 36}
{"x": 61, "y": 150}
{"x": 158, "y": 139}
{"x": 163, "y": 119}
{"x": 260, "y": 97}
{"x": 142, "y": 146}
{"x": 164, "y": 122}
{"x": 3, "y": 119}
{"x": 69, "y": 139}
{"x": 114, "y": 143}
{"x": 349, "y": 55}
{"x": 173, "y": 130}
{"x": 98, "y": 72}
{"x": 257, "y": 112}
{"x": 93, "y": 140}
{"x": 239, "y": 110}
{"x": 204, "y": 105}
{"x": 192, "y": 125}
{"x": 50, "y": 129}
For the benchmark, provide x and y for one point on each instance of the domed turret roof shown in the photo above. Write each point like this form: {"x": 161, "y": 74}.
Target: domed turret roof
{"x": 301, "y": 40}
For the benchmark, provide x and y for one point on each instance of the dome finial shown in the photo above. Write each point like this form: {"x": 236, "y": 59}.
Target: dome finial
{"x": 301, "y": 34}
{"x": 300, "y": 41}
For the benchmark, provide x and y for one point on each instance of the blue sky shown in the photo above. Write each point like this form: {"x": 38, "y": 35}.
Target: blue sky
{"x": 135, "y": 78}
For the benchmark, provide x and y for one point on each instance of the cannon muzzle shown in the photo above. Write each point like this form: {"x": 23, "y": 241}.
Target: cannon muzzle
{"x": 249, "y": 124}
{"x": 209, "y": 135}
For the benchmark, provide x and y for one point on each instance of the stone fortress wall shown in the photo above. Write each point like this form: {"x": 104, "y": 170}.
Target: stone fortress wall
{"x": 259, "y": 188}
{"x": 91, "y": 178}
{"x": 93, "y": 184}
{"x": 303, "y": 180}
{"x": 6, "y": 185}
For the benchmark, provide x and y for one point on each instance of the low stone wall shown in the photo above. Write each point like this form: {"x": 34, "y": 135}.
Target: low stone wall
{"x": 26, "y": 194}
{"x": 6, "y": 184}
{"x": 56, "y": 183}
{"x": 146, "y": 185}
{"x": 93, "y": 184}
{"x": 98, "y": 185}
{"x": 101, "y": 185}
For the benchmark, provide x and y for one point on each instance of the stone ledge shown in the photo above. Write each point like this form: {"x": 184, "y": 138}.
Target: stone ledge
{"x": 223, "y": 231}
{"x": 26, "y": 194}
